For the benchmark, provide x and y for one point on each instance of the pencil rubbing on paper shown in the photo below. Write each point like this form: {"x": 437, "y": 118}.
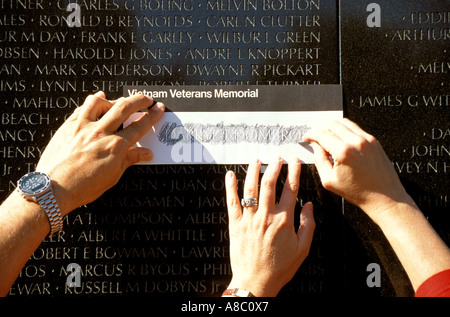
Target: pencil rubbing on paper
{"x": 220, "y": 133}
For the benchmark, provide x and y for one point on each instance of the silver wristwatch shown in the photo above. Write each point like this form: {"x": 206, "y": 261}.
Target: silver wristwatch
{"x": 37, "y": 187}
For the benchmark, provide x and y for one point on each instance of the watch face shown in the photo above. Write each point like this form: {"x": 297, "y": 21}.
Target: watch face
{"x": 34, "y": 183}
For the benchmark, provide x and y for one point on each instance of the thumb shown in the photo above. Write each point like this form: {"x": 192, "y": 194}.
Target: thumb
{"x": 136, "y": 155}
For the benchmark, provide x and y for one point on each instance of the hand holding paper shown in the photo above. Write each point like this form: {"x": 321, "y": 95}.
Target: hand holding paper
{"x": 237, "y": 124}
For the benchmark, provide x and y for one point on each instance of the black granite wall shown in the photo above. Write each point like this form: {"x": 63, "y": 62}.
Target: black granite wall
{"x": 163, "y": 229}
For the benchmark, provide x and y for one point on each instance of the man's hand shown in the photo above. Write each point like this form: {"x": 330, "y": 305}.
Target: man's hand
{"x": 87, "y": 155}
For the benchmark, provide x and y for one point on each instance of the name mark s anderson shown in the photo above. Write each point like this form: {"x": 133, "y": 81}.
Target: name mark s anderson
{"x": 182, "y": 93}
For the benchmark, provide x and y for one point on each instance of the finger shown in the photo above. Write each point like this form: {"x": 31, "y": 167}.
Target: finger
{"x": 357, "y": 129}
{"x": 327, "y": 139}
{"x": 94, "y": 107}
{"x": 122, "y": 109}
{"x": 138, "y": 128}
{"x": 100, "y": 94}
{"x": 136, "y": 155}
{"x": 76, "y": 113}
{"x": 306, "y": 229}
{"x": 233, "y": 204}
{"x": 346, "y": 133}
{"x": 268, "y": 185}
{"x": 322, "y": 161}
{"x": 290, "y": 190}
{"x": 251, "y": 184}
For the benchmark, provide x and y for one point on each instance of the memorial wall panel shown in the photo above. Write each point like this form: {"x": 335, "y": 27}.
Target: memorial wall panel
{"x": 396, "y": 81}
{"x": 162, "y": 230}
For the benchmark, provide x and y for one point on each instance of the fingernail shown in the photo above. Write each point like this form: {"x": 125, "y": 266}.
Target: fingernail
{"x": 158, "y": 107}
{"x": 309, "y": 205}
{"x": 146, "y": 156}
{"x": 99, "y": 93}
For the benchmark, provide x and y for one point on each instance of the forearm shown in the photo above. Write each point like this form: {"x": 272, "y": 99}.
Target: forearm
{"x": 23, "y": 226}
{"x": 85, "y": 157}
{"x": 417, "y": 245}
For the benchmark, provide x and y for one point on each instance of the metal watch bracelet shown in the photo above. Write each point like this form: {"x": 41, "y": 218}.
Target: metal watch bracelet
{"x": 51, "y": 208}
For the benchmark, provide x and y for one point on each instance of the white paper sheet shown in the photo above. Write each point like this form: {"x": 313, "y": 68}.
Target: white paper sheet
{"x": 231, "y": 137}
{"x": 236, "y": 124}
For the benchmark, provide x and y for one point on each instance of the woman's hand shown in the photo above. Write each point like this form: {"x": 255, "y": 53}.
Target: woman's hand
{"x": 352, "y": 164}
{"x": 265, "y": 250}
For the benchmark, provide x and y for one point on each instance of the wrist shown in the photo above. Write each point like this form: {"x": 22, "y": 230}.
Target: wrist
{"x": 256, "y": 288}
{"x": 389, "y": 210}
{"x": 380, "y": 206}
{"x": 63, "y": 194}
{"x": 63, "y": 198}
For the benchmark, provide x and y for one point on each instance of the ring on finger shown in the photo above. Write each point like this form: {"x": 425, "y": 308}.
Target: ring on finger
{"x": 249, "y": 202}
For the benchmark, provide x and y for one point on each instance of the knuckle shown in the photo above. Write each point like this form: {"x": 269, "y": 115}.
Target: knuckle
{"x": 361, "y": 144}
{"x": 371, "y": 139}
{"x": 251, "y": 192}
{"x": 293, "y": 186}
{"x": 135, "y": 128}
{"x": 283, "y": 222}
{"x": 345, "y": 152}
{"x": 327, "y": 184}
{"x": 91, "y": 99}
{"x": 122, "y": 104}
{"x": 366, "y": 144}
{"x": 268, "y": 184}
{"x": 94, "y": 134}
{"x": 232, "y": 202}
{"x": 114, "y": 145}
{"x": 140, "y": 99}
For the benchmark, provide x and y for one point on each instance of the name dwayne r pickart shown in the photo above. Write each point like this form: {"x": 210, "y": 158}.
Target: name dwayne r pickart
{"x": 225, "y": 306}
